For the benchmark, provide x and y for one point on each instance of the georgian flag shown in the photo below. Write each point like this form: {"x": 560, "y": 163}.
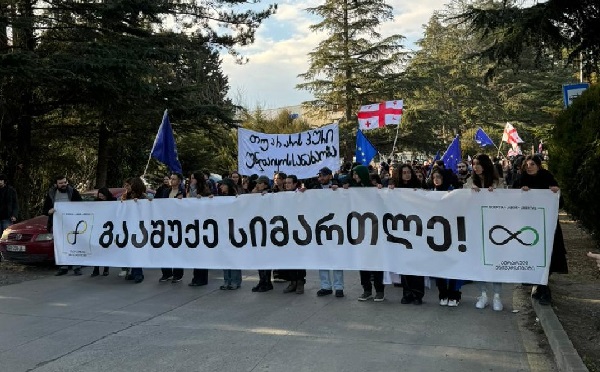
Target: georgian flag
{"x": 378, "y": 115}
{"x": 510, "y": 135}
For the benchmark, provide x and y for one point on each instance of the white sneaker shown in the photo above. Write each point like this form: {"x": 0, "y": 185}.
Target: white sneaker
{"x": 497, "y": 303}
{"x": 482, "y": 301}
{"x": 444, "y": 302}
{"x": 123, "y": 273}
{"x": 452, "y": 303}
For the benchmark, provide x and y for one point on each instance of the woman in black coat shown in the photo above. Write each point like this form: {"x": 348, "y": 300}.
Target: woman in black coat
{"x": 533, "y": 176}
{"x": 413, "y": 286}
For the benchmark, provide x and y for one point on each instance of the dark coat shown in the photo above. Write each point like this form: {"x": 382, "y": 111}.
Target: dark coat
{"x": 10, "y": 203}
{"x": 74, "y": 195}
{"x": 165, "y": 192}
{"x": 541, "y": 181}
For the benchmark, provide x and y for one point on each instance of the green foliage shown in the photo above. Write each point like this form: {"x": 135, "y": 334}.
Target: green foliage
{"x": 83, "y": 85}
{"x": 448, "y": 91}
{"x": 259, "y": 121}
{"x": 354, "y": 65}
{"x": 575, "y": 157}
{"x": 559, "y": 25}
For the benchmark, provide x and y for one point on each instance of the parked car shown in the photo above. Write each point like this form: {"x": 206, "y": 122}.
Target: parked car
{"x": 29, "y": 241}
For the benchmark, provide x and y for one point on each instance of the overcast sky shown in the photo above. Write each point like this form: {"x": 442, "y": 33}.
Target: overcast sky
{"x": 283, "y": 42}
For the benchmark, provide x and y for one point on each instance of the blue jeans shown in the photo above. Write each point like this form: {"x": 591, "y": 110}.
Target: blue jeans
{"x": 4, "y": 224}
{"x": 338, "y": 279}
{"x": 232, "y": 277}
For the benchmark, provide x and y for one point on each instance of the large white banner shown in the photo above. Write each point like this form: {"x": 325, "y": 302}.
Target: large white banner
{"x": 301, "y": 154}
{"x": 503, "y": 236}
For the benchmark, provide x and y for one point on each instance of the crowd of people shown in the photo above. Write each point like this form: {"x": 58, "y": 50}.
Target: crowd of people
{"x": 480, "y": 174}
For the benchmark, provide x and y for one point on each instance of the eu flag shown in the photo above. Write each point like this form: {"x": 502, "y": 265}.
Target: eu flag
{"x": 365, "y": 151}
{"x": 452, "y": 155}
{"x": 482, "y": 138}
{"x": 164, "y": 148}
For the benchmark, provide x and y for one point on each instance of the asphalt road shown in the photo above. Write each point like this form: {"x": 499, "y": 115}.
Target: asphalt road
{"x": 80, "y": 323}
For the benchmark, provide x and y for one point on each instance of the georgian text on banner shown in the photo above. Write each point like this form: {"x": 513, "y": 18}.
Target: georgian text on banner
{"x": 500, "y": 236}
{"x": 301, "y": 154}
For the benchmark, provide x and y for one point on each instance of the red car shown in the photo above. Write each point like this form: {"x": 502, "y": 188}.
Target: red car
{"x": 30, "y": 242}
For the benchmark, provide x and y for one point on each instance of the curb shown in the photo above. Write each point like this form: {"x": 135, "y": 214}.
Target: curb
{"x": 565, "y": 355}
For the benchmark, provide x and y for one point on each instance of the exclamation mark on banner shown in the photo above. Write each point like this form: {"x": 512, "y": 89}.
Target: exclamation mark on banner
{"x": 462, "y": 233}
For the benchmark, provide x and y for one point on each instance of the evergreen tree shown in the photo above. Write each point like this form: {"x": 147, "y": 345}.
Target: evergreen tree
{"x": 354, "y": 65}
{"x": 560, "y": 25}
{"x": 103, "y": 71}
{"x": 452, "y": 93}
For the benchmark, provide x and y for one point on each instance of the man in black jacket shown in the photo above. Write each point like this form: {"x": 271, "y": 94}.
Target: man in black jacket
{"x": 9, "y": 205}
{"x": 60, "y": 192}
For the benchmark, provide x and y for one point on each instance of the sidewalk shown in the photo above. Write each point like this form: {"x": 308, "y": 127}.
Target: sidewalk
{"x": 107, "y": 324}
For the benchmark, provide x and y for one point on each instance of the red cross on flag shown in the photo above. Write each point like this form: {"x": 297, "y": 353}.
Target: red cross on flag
{"x": 510, "y": 135}
{"x": 378, "y": 115}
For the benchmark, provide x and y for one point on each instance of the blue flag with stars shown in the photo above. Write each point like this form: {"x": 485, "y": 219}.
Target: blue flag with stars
{"x": 452, "y": 155}
{"x": 365, "y": 151}
{"x": 164, "y": 149}
{"x": 483, "y": 139}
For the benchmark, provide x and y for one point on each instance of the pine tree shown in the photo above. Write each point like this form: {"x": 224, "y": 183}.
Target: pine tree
{"x": 102, "y": 72}
{"x": 354, "y": 65}
{"x": 559, "y": 25}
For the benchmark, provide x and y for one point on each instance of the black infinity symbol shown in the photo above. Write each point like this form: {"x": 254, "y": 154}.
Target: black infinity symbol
{"x": 512, "y": 235}
{"x": 72, "y": 236}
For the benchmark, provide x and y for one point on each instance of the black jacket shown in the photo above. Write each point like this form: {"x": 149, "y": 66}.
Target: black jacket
{"x": 74, "y": 195}
{"x": 10, "y": 203}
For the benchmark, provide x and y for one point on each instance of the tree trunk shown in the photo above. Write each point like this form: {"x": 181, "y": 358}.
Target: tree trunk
{"x": 103, "y": 155}
{"x": 21, "y": 161}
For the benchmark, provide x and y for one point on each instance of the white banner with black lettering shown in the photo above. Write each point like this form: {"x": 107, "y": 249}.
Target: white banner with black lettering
{"x": 301, "y": 154}
{"x": 503, "y": 236}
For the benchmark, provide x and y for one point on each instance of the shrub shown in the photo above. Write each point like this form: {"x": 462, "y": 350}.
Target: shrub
{"x": 575, "y": 157}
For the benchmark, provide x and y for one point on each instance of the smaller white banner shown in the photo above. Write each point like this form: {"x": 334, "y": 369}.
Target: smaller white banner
{"x": 301, "y": 154}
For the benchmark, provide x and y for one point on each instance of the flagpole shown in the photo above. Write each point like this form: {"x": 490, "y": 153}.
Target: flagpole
{"x": 146, "y": 169}
{"x": 395, "y": 139}
{"x": 150, "y": 155}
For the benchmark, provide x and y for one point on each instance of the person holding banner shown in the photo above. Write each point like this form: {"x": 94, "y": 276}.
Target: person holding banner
{"x": 361, "y": 177}
{"x": 103, "y": 194}
{"x": 279, "y": 185}
{"x": 232, "y": 279}
{"x": 279, "y": 182}
{"x": 175, "y": 191}
{"x": 485, "y": 176}
{"x": 297, "y": 278}
{"x": 199, "y": 188}
{"x": 533, "y": 176}
{"x": 448, "y": 289}
{"x": 135, "y": 191}
{"x": 413, "y": 286}
{"x": 60, "y": 192}
{"x": 326, "y": 181}
{"x": 264, "y": 282}
{"x": 238, "y": 182}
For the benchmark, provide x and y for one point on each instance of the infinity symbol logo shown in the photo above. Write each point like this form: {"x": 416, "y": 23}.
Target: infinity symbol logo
{"x": 72, "y": 236}
{"x": 514, "y": 236}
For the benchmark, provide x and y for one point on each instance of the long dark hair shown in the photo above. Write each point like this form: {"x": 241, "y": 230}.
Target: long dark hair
{"x": 231, "y": 189}
{"x": 445, "y": 186}
{"x": 202, "y": 187}
{"x": 489, "y": 174}
{"x": 138, "y": 189}
{"x": 414, "y": 182}
{"x": 106, "y": 192}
